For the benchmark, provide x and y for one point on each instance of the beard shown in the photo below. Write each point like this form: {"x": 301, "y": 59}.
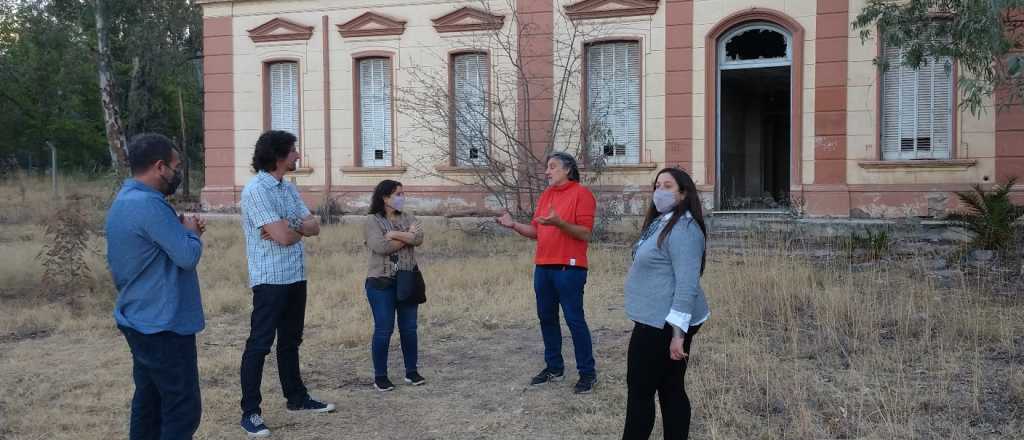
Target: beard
{"x": 293, "y": 166}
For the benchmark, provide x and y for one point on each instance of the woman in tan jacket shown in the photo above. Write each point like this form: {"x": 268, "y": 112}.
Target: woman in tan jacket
{"x": 391, "y": 236}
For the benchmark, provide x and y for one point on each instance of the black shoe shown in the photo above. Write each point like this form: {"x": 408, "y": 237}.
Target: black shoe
{"x": 311, "y": 405}
{"x": 547, "y": 375}
{"x": 585, "y": 385}
{"x": 413, "y": 378}
{"x": 382, "y": 383}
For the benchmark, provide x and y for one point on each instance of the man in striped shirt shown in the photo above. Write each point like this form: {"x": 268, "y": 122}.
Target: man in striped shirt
{"x": 275, "y": 220}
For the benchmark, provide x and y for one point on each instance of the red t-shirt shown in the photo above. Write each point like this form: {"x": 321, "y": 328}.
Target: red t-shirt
{"x": 575, "y": 204}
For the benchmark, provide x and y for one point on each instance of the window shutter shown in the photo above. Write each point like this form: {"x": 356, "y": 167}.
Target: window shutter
{"x": 375, "y": 111}
{"x": 917, "y": 108}
{"x": 284, "y": 97}
{"x": 613, "y": 101}
{"x": 472, "y": 128}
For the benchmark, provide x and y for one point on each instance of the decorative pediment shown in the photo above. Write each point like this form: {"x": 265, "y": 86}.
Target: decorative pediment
{"x": 610, "y": 8}
{"x": 280, "y": 29}
{"x": 466, "y": 19}
{"x": 371, "y": 24}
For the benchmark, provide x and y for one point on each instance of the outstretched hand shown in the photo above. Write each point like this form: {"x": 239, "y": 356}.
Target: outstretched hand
{"x": 506, "y": 220}
{"x": 552, "y": 219}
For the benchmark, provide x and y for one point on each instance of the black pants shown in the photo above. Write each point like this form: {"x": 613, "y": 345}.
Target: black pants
{"x": 166, "y": 404}
{"x": 650, "y": 370}
{"x": 276, "y": 309}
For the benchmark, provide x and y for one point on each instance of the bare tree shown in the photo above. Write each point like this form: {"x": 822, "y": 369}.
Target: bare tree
{"x": 478, "y": 120}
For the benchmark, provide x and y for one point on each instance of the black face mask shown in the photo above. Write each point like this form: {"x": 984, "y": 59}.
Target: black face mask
{"x": 172, "y": 183}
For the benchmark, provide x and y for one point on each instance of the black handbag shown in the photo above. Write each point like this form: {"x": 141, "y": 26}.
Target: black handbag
{"x": 409, "y": 286}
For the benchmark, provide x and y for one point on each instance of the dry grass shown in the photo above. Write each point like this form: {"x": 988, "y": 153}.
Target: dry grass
{"x": 796, "y": 348}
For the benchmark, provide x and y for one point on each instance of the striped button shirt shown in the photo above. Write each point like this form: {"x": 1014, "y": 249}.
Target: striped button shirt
{"x": 266, "y": 200}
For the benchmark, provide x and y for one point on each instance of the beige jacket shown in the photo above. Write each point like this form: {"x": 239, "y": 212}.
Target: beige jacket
{"x": 380, "y": 263}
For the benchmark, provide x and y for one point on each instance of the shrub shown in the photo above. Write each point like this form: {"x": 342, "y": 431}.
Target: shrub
{"x": 875, "y": 244}
{"x": 989, "y": 216}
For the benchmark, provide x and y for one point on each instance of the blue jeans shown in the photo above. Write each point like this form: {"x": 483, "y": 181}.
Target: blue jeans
{"x": 166, "y": 404}
{"x": 384, "y": 306}
{"x": 563, "y": 286}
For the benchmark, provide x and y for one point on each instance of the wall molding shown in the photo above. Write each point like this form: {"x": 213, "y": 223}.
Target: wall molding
{"x": 280, "y": 29}
{"x": 468, "y": 19}
{"x": 589, "y": 9}
{"x": 371, "y": 24}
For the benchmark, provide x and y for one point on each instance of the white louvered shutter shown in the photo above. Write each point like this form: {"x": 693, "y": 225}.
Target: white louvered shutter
{"x": 471, "y": 113}
{"x": 613, "y": 101}
{"x": 284, "y": 97}
{"x": 917, "y": 108}
{"x": 375, "y": 111}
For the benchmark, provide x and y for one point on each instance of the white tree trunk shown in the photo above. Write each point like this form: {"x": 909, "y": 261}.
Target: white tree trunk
{"x": 111, "y": 114}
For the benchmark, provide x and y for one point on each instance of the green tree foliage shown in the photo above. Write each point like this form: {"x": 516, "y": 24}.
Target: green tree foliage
{"x": 984, "y": 36}
{"x": 49, "y": 85}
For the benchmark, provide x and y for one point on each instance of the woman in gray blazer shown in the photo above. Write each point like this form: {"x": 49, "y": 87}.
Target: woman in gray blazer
{"x": 665, "y": 301}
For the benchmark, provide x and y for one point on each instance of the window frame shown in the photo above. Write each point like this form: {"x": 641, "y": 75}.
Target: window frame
{"x": 723, "y": 41}
{"x": 357, "y": 58}
{"x": 952, "y": 124}
{"x": 452, "y": 105}
{"x": 585, "y": 102}
{"x": 268, "y": 101}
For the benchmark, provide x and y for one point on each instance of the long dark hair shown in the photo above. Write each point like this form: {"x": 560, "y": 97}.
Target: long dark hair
{"x": 691, "y": 203}
{"x": 384, "y": 189}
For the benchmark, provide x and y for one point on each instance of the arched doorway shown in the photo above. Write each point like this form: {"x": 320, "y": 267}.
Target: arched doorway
{"x": 754, "y": 101}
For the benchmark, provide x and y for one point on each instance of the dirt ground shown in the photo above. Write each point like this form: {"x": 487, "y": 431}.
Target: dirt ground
{"x": 477, "y": 387}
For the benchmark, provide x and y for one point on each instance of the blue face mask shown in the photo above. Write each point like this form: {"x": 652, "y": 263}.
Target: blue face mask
{"x": 664, "y": 200}
{"x": 397, "y": 202}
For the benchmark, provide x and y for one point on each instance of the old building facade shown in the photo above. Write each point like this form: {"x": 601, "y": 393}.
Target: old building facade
{"x": 767, "y": 103}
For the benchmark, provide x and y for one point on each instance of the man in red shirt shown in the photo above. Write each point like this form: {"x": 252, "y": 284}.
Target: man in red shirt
{"x": 561, "y": 226}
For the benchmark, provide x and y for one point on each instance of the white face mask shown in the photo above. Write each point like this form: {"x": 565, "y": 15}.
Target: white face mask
{"x": 397, "y": 202}
{"x": 664, "y": 200}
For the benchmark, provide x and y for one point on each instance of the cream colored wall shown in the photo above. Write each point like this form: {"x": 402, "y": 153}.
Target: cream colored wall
{"x": 249, "y": 99}
{"x": 420, "y": 47}
{"x": 708, "y": 13}
{"x": 975, "y": 134}
{"x": 423, "y": 49}
{"x": 650, "y": 31}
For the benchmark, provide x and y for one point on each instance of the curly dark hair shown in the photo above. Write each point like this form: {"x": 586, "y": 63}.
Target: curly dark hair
{"x": 272, "y": 146}
{"x": 384, "y": 189}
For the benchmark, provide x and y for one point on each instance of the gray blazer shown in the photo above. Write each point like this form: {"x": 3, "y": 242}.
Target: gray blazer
{"x": 663, "y": 284}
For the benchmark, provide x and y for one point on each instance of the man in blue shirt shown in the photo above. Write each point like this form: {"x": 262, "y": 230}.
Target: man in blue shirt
{"x": 153, "y": 254}
{"x": 275, "y": 220}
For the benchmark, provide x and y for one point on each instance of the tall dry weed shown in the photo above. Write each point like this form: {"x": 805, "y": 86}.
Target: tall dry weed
{"x": 66, "y": 275}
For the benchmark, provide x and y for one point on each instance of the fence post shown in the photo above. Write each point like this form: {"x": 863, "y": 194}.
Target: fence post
{"x": 53, "y": 166}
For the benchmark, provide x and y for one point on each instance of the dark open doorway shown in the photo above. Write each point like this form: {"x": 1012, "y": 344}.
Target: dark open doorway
{"x": 754, "y": 117}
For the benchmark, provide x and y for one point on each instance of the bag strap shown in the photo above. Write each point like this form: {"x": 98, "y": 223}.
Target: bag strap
{"x": 384, "y": 224}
